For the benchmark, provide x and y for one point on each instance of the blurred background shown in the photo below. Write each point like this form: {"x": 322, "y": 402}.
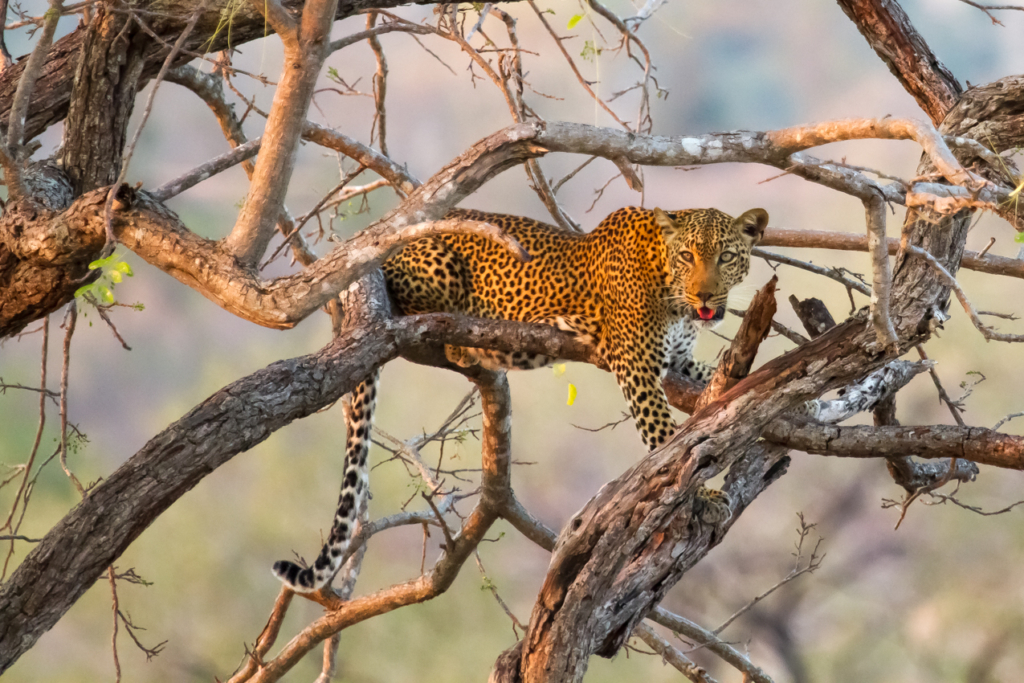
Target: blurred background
{"x": 941, "y": 599}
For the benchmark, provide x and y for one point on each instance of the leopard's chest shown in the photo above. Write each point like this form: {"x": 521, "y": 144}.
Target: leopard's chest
{"x": 680, "y": 337}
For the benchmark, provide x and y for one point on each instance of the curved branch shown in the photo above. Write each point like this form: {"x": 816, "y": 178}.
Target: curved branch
{"x": 158, "y": 236}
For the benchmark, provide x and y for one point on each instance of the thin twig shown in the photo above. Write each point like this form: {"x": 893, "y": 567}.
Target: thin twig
{"x": 1006, "y": 419}
{"x": 952, "y": 283}
{"x": 517, "y": 625}
{"x": 942, "y": 499}
{"x": 23, "y": 494}
{"x": 572, "y": 65}
{"x": 790, "y": 334}
{"x": 813, "y": 563}
{"x": 312, "y": 212}
{"x": 70, "y": 318}
{"x": 986, "y": 9}
{"x": 112, "y": 580}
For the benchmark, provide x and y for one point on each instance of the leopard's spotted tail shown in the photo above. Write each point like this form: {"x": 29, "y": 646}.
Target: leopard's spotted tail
{"x": 354, "y": 492}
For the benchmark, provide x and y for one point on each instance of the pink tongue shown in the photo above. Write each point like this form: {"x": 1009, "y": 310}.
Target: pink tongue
{"x": 705, "y": 313}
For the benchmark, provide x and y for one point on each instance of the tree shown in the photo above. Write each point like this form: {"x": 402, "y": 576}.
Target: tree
{"x": 614, "y": 561}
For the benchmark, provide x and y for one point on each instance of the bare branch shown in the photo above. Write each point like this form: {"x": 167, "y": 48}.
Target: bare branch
{"x": 813, "y": 563}
{"x": 207, "y": 170}
{"x": 711, "y": 642}
{"x": 844, "y": 241}
{"x": 988, "y": 9}
{"x": 671, "y": 655}
{"x": 342, "y": 43}
{"x": 69, "y": 329}
{"x": 305, "y": 51}
{"x": 830, "y": 273}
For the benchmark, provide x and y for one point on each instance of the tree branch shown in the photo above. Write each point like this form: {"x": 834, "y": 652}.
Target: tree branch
{"x": 305, "y": 49}
{"x": 846, "y": 241}
{"x": 976, "y": 444}
{"x": 893, "y": 37}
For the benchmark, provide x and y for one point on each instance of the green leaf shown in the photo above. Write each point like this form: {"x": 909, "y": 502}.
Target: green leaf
{"x": 572, "y": 394}
{"x": 124, "y": 268}
{"x": 576, "y": 18}
{"x": 103, "y": 262}
{"x": 104, "y": 294}
{"x": 83, "y": 289}
{"x": 115, "y": 276}
{"x": 1019, "y": 237}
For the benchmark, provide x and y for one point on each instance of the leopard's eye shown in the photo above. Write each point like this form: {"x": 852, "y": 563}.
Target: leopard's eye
{"x": 686, "y": 256}
{"x": 727, "y": 257}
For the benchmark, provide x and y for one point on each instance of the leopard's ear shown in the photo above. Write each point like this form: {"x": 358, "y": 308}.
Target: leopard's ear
{"x": 665, "y": 222}
{"x": 752, "y": 224}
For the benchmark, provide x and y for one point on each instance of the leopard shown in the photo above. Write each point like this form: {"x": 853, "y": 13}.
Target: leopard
{"x": 636, "y": 290}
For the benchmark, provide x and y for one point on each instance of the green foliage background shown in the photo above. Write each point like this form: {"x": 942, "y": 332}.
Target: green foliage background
{"x": 938, "y": 600}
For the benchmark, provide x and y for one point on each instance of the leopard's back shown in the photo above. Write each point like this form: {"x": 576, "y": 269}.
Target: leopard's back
{"x": 467, "y": 273}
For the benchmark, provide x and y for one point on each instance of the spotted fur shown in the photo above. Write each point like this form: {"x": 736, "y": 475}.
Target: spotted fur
{"x": 636, "y": 289}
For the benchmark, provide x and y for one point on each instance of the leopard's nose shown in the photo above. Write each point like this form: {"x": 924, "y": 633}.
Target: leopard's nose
{"x": 705, "y": 297}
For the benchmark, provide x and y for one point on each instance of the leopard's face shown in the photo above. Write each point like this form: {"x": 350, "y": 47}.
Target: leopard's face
{"x": 707, "y": 254}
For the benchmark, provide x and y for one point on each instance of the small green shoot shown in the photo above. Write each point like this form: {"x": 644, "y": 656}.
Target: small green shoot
{"x": 112, "y": 272}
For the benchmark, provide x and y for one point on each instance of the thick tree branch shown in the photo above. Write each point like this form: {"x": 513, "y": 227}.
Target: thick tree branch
{"x": 590, "y": 572}
{"x": 893, "y": 37}
{"x": 496, "y": 153}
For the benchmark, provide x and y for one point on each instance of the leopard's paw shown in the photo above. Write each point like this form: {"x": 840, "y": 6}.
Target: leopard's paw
{"x": 809, "y": 409}
{"x": 459, "y": 355}
{"x": 712, "y": 506}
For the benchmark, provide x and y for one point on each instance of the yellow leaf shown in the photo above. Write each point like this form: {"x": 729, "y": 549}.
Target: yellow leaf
{"x": 558, "y": 369}
{"x": 572, "y": 395}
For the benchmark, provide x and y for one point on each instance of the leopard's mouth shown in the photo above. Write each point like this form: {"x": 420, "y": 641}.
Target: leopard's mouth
{"x": 707, "y": 316}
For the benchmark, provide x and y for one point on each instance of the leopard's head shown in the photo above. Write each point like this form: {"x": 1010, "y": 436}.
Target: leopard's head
{"x": 707, "y": 254}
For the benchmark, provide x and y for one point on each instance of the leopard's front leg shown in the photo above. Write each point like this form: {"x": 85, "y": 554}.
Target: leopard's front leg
{"x": 640, "y": 381}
